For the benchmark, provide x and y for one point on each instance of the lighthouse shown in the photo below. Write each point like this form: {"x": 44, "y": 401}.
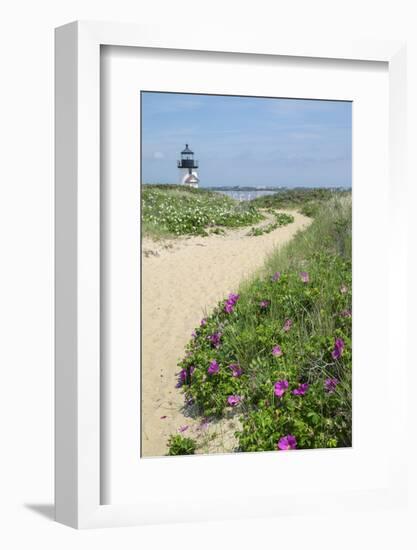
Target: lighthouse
{"x": 188, "y": 168}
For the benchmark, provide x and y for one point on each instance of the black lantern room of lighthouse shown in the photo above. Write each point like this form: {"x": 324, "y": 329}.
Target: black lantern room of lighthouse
{"x": 187, "y": 160}
{"x": 188, "y": 168}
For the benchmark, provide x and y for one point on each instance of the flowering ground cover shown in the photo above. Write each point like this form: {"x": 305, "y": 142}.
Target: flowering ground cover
{"x": 279, "y": 353}
{"x": 281, "y": 219}
{"x": 178, "y": 210}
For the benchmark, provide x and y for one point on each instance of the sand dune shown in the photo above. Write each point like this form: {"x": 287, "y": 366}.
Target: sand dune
{"x": 182, "y": 280}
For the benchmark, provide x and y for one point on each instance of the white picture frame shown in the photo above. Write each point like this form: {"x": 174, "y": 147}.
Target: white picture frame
{"x": 78, "y": 405}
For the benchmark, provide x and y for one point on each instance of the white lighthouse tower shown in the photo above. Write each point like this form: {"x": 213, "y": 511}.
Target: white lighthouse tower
{"x": 188, "y": 168}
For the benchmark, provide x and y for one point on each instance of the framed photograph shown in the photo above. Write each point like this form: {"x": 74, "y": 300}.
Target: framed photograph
{"x": 226, "y": 339}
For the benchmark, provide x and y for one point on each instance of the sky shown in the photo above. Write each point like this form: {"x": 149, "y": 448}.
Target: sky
{"x": 247, "y": 141}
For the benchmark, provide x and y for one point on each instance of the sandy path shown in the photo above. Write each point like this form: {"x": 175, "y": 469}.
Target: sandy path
{"x": 181, "y": 281}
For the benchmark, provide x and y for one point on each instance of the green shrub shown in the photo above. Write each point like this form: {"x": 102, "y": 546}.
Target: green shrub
{"x": 294, "y": 198}
{"x": 179, "y": 445}
{"x": 281, "y": 219}
{"x": 310, "y": 209}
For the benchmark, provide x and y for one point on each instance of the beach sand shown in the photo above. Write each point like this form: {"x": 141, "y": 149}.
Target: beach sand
{"x": 182, "y": 280}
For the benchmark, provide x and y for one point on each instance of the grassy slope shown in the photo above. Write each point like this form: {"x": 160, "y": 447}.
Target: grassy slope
{"x": 306, "y": 200}
{"x": 320, "y": 313}
{"x": 172, "y": 210}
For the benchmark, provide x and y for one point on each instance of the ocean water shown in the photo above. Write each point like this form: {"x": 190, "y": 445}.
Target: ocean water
{"x": 245, "y": 195}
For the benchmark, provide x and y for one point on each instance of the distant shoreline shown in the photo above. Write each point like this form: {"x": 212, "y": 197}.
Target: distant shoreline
{"x": 275, "y": 189}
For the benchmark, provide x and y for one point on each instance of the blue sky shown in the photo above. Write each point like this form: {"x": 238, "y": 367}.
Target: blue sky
{"x": 248, "y": 141}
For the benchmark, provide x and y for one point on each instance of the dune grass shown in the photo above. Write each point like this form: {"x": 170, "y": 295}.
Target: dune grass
{"x": 279, "y": 353}
{"x": 306, "y": 200}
